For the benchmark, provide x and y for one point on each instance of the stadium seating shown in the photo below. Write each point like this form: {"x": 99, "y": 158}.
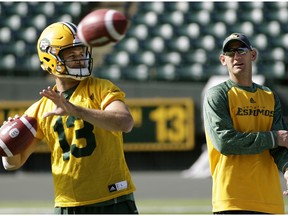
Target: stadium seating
{"x": 192, "y": 35}
{"x": 20, "y": 26}
{"x": 15, "y": 8}
{"x": 167, "y": 41}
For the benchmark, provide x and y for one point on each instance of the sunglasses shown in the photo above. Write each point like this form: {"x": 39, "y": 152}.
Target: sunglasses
{"x": 240, "y": 51}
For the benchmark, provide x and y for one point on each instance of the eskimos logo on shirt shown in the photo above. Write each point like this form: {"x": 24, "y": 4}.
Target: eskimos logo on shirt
{"x": 254, "y": 111}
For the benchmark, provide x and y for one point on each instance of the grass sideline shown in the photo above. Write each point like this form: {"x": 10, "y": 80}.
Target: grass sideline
{"x": 167, "y": 206}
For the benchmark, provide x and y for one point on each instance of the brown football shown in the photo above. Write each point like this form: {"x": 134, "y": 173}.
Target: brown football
{"x": 17, "y": 135}
{"x": 102, "y": 27}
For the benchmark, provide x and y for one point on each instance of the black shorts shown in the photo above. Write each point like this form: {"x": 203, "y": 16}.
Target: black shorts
{"x": 120, "y": 205}
{"x": 239, "y": 212}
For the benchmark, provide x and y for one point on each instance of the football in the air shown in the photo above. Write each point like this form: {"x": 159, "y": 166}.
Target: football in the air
{"x": 17, "y": 135}
{"x": 102, "y": 27}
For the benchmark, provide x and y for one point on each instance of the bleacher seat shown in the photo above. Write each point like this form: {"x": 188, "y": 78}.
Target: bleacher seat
{"x": 12, "y": 8}
{"x": 279, "y": 14}
{"x": 255, "y": 15}
{"x": 29, "y": 35}
{"x": 111, "y": 72}
{"x": 45, "y": 8}
{"x": 180, "y": 44}
{"x": 191, "y": 30}
{"x": 215, "y": 69}
{"x": 204, "y": 5}
{"x": 250, "y": 5}
{"x": 228, "y": 17}
{"x": 19, "y": 48}
{"x": 139, "y": 31}
{"x": 31, "y": 64}
{"x": 171, "y": 57}
{"x": 270, "y": 28}
{"x": 191, "y": 72}
{"x": 195, "y": 56}
{"x": 260, "y": 41}
{"x": 120, "y": 58}
{"x": 246, "y": 28}
{"x": 272, "y": 70}
{"x": 163, "y": 30}
{"x": 128, "y": 44}
{"x": 278, "y": 54}
{"x": 136, "y": 72}
{"x": 13, "y": 22}
{"x": 213, "y": 57}
{"x": 154, "y": 44}
{"x": 202, "y": 17}
{"x": 156, "y": 7}
{"x": 175, "y": 18}
{"x": 279, "y": 41}
{"x": 5, "y": 35}
{"x": 165, "y": 72}
{"x": 147, "y": 18}
{"x": 272, "y": 55}
{"x": 275, "y": 5}
{"x": 61, "y": 18}
{"x": 38, "y": 21}
{"x": 206, "y": 41}
{"x": 7, "y": 63}
{"x": 217, "y": 30}
{"x": 234, "y": 5}
{"x": 73, "y": 8}
{"x": 143, "y": 58}
{"x": 182, "y": 6}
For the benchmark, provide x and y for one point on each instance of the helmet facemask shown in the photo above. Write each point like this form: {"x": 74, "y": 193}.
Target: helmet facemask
{"x": 83, "y": 64}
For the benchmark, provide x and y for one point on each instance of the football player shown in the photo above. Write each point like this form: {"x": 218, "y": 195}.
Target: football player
{"x": 82, "y": 119}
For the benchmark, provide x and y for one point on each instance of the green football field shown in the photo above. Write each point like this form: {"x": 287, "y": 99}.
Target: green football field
{"x": 144, "y": 207}
{"x": 167, "y": 206}
{"x": 157, "y": 193}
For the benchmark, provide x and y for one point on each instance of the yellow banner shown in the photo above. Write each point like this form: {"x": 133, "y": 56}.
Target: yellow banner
{"x": 160, "y": 124}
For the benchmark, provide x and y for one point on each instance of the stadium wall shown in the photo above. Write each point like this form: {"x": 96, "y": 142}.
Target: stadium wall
{"x": 17, "y": 89}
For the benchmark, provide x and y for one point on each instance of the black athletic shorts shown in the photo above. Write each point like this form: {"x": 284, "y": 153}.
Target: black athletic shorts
{"x": 120, "y": 205}
{"x": 239, "y": 212}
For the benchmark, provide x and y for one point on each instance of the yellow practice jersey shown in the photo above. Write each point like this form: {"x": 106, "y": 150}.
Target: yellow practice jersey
{"x": 88, "y": 163}
{"x": 238, "y": 123}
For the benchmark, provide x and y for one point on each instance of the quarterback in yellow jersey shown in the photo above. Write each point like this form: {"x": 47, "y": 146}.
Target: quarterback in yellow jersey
{"x": 246, "y": 137}
{"x": 82, "y": 119}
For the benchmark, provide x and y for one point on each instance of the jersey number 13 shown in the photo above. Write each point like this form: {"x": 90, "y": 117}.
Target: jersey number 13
{"x": 85, "y": 132}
